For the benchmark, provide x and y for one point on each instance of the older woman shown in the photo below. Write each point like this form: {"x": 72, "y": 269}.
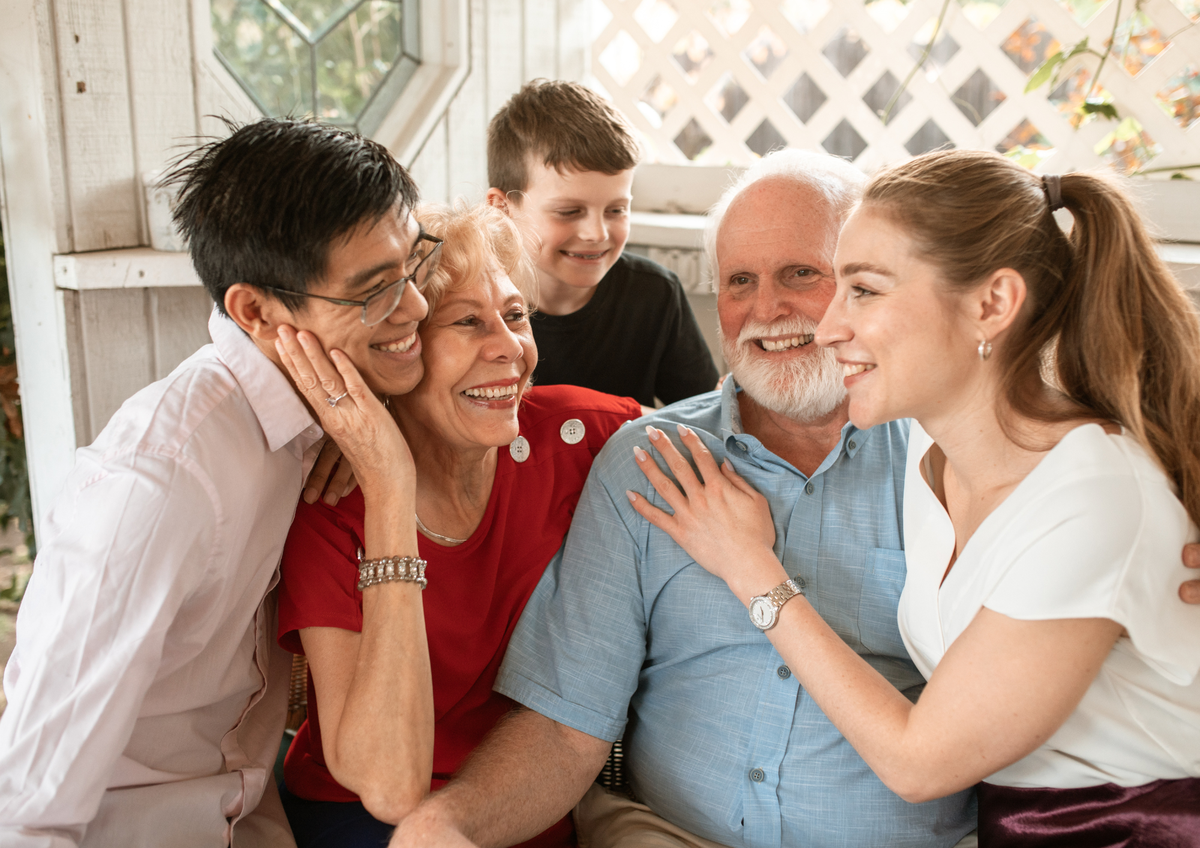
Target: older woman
{"x": 400, "y": 686}
{"x": 1053, "y": 475}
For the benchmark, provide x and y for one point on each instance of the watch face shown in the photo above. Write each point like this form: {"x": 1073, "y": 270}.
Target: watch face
{"x": 762, "y": 612}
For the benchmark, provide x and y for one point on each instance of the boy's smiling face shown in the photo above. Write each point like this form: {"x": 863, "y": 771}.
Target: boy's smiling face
{"x": 575, "y": 225}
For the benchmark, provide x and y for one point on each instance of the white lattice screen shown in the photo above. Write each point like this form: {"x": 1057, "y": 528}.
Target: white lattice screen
{"x": 718, "y": 81}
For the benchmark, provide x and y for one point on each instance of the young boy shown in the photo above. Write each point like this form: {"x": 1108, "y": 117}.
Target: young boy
{"x": 560, "y": 162}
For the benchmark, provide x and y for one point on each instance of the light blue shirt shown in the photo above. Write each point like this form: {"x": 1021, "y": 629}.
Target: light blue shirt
{"x": 626, "y": 634}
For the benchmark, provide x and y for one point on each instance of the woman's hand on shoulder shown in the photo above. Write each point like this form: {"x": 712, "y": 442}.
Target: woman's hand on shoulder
{"x": 358, "y": 421}
{"x": 719, "y": 519}
{"x": 1190, "y": 591}
{"x": 332, "y": 474}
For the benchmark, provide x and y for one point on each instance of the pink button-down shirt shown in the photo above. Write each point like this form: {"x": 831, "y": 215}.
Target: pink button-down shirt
{"x": 146, "y": 694}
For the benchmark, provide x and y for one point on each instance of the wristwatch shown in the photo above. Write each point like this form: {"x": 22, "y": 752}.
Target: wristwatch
{"x": 764, "y": 609}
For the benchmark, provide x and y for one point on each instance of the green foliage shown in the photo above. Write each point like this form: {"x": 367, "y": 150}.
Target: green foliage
{"x": 15, "y": 501}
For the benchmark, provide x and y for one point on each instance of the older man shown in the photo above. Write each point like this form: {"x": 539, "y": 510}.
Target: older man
{"x": 626, "y": 635}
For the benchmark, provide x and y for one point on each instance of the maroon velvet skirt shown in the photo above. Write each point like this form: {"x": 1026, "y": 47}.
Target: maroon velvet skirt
{"x": 1162, "y": 814}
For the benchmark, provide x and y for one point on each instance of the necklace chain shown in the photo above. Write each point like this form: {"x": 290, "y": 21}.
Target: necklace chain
{"x": 429, "y": 532}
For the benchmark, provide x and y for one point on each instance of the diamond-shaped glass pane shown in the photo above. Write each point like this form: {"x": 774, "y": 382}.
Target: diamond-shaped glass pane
{"x": 1029, "y": 44}
{"x": 978, "y": 97}
{"x": 879, "y": 97}
{"x": 354, "y": 57}
{"x": 729, "y": 15}
{"x": 271, "y": 61}
{"x": 981, "y": 12}
{"x": 692, "y": 54}
{"x": 657, "y": 100}
{"x": 693, "y": 140}
{"x": 845, "y": 50}
{"x": 804, "y": 14}
{"x": 928, "y": 137}
{"x": 941, "y": 51}
{"x": 765, "y": 52}
{"x": 804, "y": 98}
{"x": 656, "y": 17}
{"x": 1191, "y": 8}
{"x": 1070, "y": 94}
{"x": 887, "y": 13}
{"x": 1129, "y": 148}
{"x": 622, "y": 57}
{"x": 1026, "y": 145}
{"x": 765, "y": 139}
{"x": 600, "y": 18}
{"x": 844, "y": 141}
{"x": 312, "y": 14}
{"x": 1083, "y": 10}
{"x": 1138, "y": 42}
{"x": 1180, "y": 97}
{"x": 727, "y": 98}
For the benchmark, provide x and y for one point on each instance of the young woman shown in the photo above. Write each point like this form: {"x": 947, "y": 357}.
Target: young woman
{"x": 1053, "y": 476}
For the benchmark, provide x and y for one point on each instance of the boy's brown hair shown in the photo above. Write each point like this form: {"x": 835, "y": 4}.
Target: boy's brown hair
{"x": 564, "y": 124}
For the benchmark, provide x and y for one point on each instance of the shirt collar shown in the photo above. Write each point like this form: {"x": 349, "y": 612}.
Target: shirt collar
{"x": 738, "y": 441}
{"x": 280, "y": 412}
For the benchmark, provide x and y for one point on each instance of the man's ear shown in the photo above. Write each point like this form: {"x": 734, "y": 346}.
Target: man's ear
{"x": 999, "y": 300}
{"x": 498, "y": 199}
{"x": 255, "y": 312}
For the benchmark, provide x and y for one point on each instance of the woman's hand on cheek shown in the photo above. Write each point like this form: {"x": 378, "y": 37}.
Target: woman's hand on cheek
{"x": 718, "y": 520}
{"x": 360, "y": 424}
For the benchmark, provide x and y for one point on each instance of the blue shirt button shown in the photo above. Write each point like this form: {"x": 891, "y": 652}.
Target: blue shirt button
{"x": 809, "y": 488}
{"x": 851, "y": 444}
{"x": 757, "y": 775}
{"x": 784, "y": 672}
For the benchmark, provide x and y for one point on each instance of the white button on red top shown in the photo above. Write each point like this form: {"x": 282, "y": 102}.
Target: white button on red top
{"x": 519, "y": 449}
{"x": 572, "y": 431}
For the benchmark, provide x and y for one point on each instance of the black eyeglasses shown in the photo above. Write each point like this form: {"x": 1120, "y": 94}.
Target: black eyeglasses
{"x": 383, "y": 302}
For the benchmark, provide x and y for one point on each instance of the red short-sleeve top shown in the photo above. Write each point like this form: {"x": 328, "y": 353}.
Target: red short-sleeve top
{"x": 476, "y": 590}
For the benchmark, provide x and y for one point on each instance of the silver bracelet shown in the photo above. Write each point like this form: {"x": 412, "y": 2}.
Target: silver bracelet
{"x": 372, "y": 572}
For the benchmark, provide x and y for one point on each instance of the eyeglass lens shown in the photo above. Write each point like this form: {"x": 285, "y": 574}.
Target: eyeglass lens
{"x": 382, "y": 304}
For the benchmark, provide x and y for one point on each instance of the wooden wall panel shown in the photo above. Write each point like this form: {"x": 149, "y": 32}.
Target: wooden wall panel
{"x": 94, "y": 97}
{"x": 430, "y": 167}
{"x": 504, "y": 51}
{"x": 574, "y": 39}
{"x": 114, "y": 337}
{"x": 53, "y": 123}
{"x": 541, "y": 39}
{"x": 178, "y": 325}
{"x": 163, "y": 110}
{"x": 467, "y": 120}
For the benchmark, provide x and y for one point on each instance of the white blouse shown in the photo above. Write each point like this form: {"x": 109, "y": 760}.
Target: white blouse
{"x": 1094, "y": 531}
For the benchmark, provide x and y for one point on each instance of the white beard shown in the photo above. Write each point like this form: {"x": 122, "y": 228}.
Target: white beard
{"x": 803, "y": 388}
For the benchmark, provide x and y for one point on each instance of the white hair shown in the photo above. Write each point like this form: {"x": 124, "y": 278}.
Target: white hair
{"x": 839, "y": 182}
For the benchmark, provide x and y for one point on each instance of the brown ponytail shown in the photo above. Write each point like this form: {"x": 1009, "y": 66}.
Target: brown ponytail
{"x": 1104, "y": 318}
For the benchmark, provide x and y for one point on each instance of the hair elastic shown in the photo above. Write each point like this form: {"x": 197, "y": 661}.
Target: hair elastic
{"x": 1052, "y": 185}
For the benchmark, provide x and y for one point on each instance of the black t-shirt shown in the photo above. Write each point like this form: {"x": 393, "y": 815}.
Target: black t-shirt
{"x": 636, "y": 337}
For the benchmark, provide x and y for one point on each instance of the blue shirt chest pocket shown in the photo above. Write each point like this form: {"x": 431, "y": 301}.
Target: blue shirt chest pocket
{"x": 883, "y": 581}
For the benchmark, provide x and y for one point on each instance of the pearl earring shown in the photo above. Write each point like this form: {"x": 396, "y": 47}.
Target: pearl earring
{"x": 985, "y": 350}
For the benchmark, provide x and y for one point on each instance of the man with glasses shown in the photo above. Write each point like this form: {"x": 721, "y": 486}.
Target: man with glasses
{"x": 147, "y": 693}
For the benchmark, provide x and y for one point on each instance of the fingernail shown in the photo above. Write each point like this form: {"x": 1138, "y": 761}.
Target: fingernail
{"x": 310, "y": 496}
{"x": 304, "y": 341}
{"x": 639, "y": 453}
{"x": 331, "y": 498}
{"x": 632, "y": 497}
{"x": 683, "y": 431}
{"x": 652, "y": 433}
